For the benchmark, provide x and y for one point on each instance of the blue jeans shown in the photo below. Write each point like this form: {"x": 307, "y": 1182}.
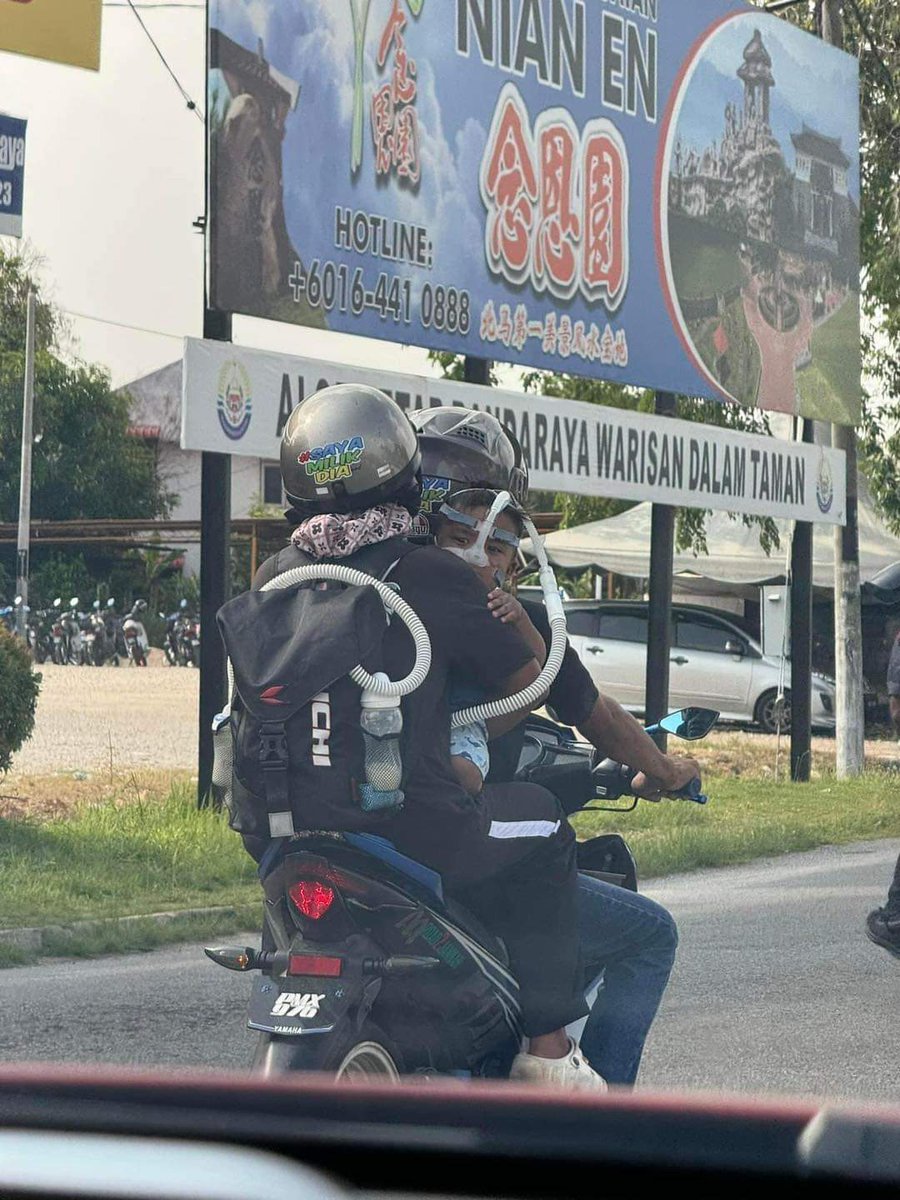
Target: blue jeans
{"x": 631, "y": 940}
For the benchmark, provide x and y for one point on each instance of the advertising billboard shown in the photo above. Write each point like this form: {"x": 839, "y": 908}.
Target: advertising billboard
{"x": 237, "y": 401}
{"x": 12, "y": 174}
{"x": 658, "y": 192}
{"x": 64, "y": 31}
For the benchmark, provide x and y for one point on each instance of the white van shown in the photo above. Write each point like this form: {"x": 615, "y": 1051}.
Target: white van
{"x": 713, "y": 662}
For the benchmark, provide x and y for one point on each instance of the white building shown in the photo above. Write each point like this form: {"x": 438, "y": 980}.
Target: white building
{"x": 156, "y": 418}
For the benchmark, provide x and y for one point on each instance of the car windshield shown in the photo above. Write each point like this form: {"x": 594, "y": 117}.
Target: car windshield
{"x": 293, "y": 780}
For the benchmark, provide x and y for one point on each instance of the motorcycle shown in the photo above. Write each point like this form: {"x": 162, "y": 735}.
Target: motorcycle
{"x": 99, "y": 648}
{"x": 37, "y": 632}
{"x": 137, "y": 643}
{"x": 59, "y": 652}
{"x": 189, "y": 641}
{"x": 369, "y": 970}
{"x": 73, "y": 640}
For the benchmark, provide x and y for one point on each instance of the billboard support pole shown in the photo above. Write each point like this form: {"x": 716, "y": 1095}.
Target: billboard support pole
{"x": 662, "y": 552}
{"x": 850, "y": 734}
{"x": 215, "y": 522}
{"x": 477, "y": 370}
{"x": 801, "y": 643}
{"x": 215, "y": 578}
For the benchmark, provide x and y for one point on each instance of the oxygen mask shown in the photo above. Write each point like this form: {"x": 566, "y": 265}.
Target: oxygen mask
{"x": 467, "y": 534}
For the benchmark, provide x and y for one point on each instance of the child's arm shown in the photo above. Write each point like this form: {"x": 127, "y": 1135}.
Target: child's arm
{"x": 467, "y": 773}
{"x": 508, "y": 610}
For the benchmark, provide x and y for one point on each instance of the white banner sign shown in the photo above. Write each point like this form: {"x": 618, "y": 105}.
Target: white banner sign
{"x": 236, "y": 401}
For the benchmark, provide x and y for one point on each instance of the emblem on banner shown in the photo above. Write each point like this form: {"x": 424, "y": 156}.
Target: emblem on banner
{"x": 234, "y": 403}
{"x": 825, "y": 486}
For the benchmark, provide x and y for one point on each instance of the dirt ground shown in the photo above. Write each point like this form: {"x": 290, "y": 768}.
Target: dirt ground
{"x": 126, "y": 731}
{"x": 95, "y": 723}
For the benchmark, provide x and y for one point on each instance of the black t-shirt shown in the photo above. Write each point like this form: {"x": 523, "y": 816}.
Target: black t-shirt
{"x": 572, "y": 697}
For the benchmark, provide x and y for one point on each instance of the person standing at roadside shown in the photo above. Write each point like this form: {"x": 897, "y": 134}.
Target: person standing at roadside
{"x": 883, "y": 925}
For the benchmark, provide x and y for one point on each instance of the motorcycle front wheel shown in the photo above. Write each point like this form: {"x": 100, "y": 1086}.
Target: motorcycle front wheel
{"x": 363, "y": 1056}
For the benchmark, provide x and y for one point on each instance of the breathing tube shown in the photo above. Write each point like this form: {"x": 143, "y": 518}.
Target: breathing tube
{"x": 536, "y": 691}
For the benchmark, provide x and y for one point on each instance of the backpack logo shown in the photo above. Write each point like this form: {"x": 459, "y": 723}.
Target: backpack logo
{"x": 321, "y": 729}
{"x": 270, "y": 695}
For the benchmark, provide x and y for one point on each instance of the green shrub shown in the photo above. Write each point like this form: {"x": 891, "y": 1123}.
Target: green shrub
{"x": 19, "y": 687}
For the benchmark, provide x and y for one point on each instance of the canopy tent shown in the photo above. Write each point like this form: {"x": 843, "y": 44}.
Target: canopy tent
{"x": 622, "y": 545}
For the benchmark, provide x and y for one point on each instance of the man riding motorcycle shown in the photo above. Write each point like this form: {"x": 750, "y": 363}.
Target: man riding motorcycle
{"x": 489, "y": 849}
{"x": 626, "y": 937}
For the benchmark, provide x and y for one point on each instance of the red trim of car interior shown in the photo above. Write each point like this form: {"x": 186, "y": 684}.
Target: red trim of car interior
{"x": 72, "y": 1077}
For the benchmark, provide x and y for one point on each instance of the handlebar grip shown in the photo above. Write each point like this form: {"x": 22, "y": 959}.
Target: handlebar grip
{"x": 692, "y": 792}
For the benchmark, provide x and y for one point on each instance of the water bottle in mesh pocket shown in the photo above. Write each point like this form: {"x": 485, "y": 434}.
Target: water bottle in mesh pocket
{"x": 223, "y": 760}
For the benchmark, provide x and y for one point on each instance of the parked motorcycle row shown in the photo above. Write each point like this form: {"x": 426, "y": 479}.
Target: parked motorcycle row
{"x": 67, "y": 636}
{"x": 182, "y": 639}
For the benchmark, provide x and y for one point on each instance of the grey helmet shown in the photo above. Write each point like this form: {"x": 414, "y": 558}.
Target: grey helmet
{"x": 463, "y": 448}
{"x": 347, "y": 448}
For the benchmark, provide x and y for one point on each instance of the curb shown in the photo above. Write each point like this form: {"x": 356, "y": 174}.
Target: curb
{"x": 34, "y": 940}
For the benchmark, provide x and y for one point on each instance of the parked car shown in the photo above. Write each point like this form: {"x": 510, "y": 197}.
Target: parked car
{"x": 713, "y": 661}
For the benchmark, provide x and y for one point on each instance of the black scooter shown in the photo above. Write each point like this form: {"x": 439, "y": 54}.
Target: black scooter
{"x": 369, "y": 970}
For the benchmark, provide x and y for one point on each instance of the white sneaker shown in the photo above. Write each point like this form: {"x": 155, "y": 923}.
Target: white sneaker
{"x": 573, "y": 1071}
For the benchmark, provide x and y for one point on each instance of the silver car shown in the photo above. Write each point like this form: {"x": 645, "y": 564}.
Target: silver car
{"x": 713, "y": 662}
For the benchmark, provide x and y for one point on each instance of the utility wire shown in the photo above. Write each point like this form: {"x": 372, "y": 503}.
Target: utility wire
{"x": 185, "y": 96}
{"x": 177, "y": 337}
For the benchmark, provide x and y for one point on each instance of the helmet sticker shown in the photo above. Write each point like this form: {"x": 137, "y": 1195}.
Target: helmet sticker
{"x": 337, "y": 460}
{"x": 435, "y": 490}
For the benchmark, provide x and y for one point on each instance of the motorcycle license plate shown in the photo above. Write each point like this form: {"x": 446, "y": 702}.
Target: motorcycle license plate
{"x": 297, "y": 1004}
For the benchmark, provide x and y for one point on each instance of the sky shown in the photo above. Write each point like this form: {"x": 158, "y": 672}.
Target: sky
{"x": 114, "y": 181}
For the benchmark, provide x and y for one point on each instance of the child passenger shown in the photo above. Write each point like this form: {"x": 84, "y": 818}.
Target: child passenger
{"x": 469, "y": 754}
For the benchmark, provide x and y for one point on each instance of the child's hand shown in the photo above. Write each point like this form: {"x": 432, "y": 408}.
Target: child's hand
{"x": 505, "y": 606}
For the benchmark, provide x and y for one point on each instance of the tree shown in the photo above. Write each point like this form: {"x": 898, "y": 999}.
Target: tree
{"x": 85, "y": 462}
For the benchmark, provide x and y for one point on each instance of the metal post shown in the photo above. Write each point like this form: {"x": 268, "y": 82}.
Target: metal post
{"x": 801, "y": 643}
{"x": 24, "y": 538}
{"x": 215, "y": 578}
{"x": 662, "y": 551}
{"x": 477, "y": 370}
{"x": 850, "y": 739}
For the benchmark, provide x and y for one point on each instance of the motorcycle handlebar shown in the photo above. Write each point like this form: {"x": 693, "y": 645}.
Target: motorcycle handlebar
{"x": 614, "y": 779}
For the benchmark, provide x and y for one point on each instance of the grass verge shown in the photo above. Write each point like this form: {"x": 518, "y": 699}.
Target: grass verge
{"x": 133, "y": 936}
{"x": 133, "y": 858}
{"x": 748, "y": 819}
{"x": 116, "y": 858}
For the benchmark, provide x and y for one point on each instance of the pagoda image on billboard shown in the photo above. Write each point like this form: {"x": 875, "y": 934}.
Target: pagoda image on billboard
{"x": 763, "y": 235}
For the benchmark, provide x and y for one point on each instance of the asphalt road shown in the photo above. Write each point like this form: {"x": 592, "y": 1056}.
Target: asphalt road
{"x": 776, "y": 989}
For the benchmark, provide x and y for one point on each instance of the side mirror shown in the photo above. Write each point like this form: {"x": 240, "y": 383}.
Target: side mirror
{"x": 735, "y": 646}
{"x": 57, "y": 603}
{"x": 691, "y": 724}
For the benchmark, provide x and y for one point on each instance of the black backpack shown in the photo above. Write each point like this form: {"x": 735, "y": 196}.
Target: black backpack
{"x": 293, "y": 733}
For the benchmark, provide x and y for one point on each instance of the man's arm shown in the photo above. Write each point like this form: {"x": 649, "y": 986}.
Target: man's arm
{"x": 614, "y": 731}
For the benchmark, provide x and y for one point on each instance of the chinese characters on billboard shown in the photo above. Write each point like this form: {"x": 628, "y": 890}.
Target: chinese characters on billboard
{"x": 649, "y": 191}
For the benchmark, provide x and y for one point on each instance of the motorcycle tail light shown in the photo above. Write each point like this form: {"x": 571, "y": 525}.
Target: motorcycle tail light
{"x": 311, "y": 898}
{"x": 315, "y": 964}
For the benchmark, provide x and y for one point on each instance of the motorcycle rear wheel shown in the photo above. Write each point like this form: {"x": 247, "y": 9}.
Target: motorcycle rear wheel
{"x": 365, "y": 1056}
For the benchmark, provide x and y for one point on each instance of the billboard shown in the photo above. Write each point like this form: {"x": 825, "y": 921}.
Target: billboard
{"x": 237, "y": 401}
{"x": 650, "y": 191}
{"x": 12, "y": 174}
{"x": 64, "y": 31}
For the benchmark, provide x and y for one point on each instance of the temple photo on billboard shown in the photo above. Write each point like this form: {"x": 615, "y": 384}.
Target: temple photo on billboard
{"x": 763, "y": 227}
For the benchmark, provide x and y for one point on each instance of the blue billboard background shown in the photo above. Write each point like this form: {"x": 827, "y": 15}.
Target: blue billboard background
{"x": 12, "y": 174}
{"x": 650, "y": 192}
